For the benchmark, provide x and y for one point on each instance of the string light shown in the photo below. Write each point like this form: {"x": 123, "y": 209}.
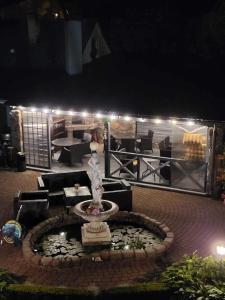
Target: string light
{"x": 127, "y": 118}
{"x": 141, "y": 120}
{"x": 190, "y": 123}
{"x": 84, "y": 114}
{"x": 45, "y": 110}
{"x": 99, "y": 115}
{"x": 158, "y": 121}
{"x": 71, "y": 112}
{"x": 58, "y": 112}
{"x": 113, "y": 117}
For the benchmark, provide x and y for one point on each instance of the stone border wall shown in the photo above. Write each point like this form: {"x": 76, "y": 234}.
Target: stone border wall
{"x": 58, "y": 221}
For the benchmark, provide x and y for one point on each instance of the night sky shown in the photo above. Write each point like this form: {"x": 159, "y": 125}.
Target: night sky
{"x": 168, "y": 57}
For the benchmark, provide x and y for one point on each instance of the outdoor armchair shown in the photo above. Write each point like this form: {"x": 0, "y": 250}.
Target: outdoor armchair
{"x": 129, "y": 145}
{"x": 73, "y": 155}
{"x": 30, "y": 207}
{"x": 146, "y": 145}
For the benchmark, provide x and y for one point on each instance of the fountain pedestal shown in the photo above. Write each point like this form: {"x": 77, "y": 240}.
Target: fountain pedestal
{"x": 95, "y": 238}
{"x": 96, "y": 232}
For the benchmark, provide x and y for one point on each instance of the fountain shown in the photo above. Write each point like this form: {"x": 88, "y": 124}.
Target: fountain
{"x": 130, "y": 235}
{"x": 95, "y": 211}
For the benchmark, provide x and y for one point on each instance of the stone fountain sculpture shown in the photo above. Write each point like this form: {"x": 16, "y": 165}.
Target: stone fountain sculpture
{"x": 96, "y": 232}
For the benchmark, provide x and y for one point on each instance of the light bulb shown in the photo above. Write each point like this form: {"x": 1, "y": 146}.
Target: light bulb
{"x": 127, "y": 118}
{"x": 220, "y": 250}
{"x": 158, "y": 121}
{"x": 94, "y": 146}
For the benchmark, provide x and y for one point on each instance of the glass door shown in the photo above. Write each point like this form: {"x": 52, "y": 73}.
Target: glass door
{"x": 36, "y": 139}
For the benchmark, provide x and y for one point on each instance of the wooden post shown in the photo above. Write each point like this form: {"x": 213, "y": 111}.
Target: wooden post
{"x": 213, "y": 158}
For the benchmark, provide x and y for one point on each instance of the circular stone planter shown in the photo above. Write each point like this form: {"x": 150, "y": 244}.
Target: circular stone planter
{"x": 150, "y": 252}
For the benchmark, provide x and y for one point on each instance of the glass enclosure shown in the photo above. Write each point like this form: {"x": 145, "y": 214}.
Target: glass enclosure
{"x": 163, "y": 152}
{"x": 175, "y": 154}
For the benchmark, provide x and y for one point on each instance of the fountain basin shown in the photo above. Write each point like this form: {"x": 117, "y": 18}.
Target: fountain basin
{"x": 109, "y": 207}
{"x": 96, "y": 232}
{"x": 148, "y": 253}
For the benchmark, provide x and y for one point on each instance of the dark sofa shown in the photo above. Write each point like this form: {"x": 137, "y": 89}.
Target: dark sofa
{"x": 119, "y": 192}
{"x": 55, "y": 182}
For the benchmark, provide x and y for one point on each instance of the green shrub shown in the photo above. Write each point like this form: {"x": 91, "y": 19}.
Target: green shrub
{"x": 7, "y": 278}
{"x": 30, "y": 291}
{"x": 148, "y": 291}
{"x": 196, "y": 277}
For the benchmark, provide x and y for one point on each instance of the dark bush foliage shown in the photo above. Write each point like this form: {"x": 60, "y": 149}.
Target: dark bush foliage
{"x": 196, "y": 277}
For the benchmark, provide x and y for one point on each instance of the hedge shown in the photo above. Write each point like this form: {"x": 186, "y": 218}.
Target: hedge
{"x": 148, "y": 291}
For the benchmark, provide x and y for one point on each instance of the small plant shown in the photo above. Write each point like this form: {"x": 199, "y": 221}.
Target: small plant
{"x": 137, "y": 244}
{"x": 196, "y": 277}
{"x": 7, "y": 278}
{"x": 134, "y": 244}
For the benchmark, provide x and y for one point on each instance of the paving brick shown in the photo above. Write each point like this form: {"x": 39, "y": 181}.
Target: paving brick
{"x": 195, "y": 221}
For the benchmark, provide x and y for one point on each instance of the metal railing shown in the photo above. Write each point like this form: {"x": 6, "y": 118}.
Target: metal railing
{"x": 132, "y": 165}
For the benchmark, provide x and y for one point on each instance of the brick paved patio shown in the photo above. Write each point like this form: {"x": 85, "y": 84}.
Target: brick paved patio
{"x": 196, "y": 221}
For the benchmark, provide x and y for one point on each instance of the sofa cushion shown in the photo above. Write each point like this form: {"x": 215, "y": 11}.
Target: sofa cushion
{"x": 45, "y": 179}
{"x": 112, "y": 186}
{"x": 56, "y": 183}
{"x": 68, "y": 181}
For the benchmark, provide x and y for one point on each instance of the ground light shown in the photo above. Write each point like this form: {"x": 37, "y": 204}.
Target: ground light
{"x": 220, "y": 250}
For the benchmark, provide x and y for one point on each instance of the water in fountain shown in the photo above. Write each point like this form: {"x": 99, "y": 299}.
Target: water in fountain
{"x": 66, "y": 241}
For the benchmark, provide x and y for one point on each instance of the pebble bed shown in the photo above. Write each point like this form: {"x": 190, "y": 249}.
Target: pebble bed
{"x": 67, "y": 241}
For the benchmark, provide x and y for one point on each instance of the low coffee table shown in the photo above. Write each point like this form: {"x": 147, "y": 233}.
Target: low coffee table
{"x": 72, "y": 196}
